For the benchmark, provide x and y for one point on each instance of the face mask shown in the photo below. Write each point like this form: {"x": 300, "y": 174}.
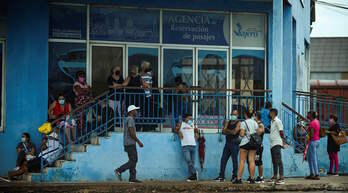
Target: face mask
{"x": 190, "y": 122}
{"x": 234, "y": 117}
{"x": 61, "y": 101}
{"x": 332, "y": 122}
{"x": 117, "y": 73}
{"x": 23, "y": 139}
{"x": 82, "y": 79}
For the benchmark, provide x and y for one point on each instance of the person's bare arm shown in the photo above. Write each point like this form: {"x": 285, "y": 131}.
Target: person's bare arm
{"x": 80, "y": 90}
{"x": 242, "y": 132}
{"x": 237, "y": 129}
{"x": 32, "y": 151}
{"x": 50, "y": 110}
{"x": 126, "y": 82}
{"x": 134, "y": 136}
{"x": 196, "y": 133}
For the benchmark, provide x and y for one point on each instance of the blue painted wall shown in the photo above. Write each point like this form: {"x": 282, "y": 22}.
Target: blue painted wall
{"x": 162, "y": 159}
{"x": 26, "y": 75}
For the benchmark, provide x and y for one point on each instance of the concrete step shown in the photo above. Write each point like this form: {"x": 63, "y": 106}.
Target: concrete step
{"x": 78, "y": 148}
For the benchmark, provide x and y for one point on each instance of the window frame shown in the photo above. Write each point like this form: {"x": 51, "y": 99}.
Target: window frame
{"x": 3, "y": 86}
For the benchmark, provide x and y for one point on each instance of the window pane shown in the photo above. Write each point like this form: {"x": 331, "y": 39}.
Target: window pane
{"x": 248, "y": 30}
{"x": 115, "y": 24}
{"x": 137, "y": 55}
{"x": 177, "y": 62}
{"x": 211, "y": 74}
{"x": 67, "y": 22}
{"x": 65, "y": 60}
{"x": 103, "y": 60}
{"x": 248, "y": 69}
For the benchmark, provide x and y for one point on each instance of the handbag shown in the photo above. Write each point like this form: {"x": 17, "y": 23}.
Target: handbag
{"x": 45, "y": 128}
{"x": 340, "y": 138}
{"x": 254, "y": 139}
{"x": 322, "y": 133}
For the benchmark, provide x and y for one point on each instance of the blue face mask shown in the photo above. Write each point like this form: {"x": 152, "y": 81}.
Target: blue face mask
{"x": 234, "y": 117}
{"x": 190, "y": 122}
{"x": 61, "y": 101}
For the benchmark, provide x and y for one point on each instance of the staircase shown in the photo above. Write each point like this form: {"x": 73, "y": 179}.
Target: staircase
{"x": 99, "y": 149}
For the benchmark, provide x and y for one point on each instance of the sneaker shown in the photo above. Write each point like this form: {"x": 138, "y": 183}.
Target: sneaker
{"x": 335, "y": 174}
{"x": 233, "y": 178}
{"x": 280, "y": 182}
{"x": 259, "y": 180}
{"x": 316, "y": 177}
{"x": 237, "y": 181}
{"x": 272, "y": 180}
{"x": 192, "y": 178}
{"x": 219, "y": 179}
{"x": 310, "y": 177}
{"x": 249, "y": 179}
{"x": 135, "y": 181}
{"x": 196, "y": 176}
{"x": 118, "y": 174}
{"x": 252, "y": 181}
{"x": 329, "y": 173}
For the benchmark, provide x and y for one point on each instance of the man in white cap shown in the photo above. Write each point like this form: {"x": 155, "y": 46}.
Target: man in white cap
{"x": 129, "y": 141}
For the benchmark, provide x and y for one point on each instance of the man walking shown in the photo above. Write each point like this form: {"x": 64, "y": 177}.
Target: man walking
{"x": 129, "y": 140}
{"x": 231, "y": 149}
{"x": 277, "y": 142}
{"x": 188, "y": 135}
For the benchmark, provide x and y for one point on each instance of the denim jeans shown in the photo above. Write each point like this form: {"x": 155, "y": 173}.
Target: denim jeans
{"x": 189, "y": 152}
{"x": 276, "y": 154}
{"x": 230, "y": 150}
{"x": 312, "y": 157}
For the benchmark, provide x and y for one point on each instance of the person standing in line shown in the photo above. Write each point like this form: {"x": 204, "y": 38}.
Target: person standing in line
{"x": 332, "y": 147}
{"x": 312, "y": 157}
{"x": 258, "y": 158}
{"x": 130, "y": 140}
{"x": 265, "y": 116}
{"x": 115, "y": 83}
{"x": 188, "y": 135}
{"x": 231, "y": 149}
{"x": 247, "y": 149}
{"x": 277, "y": 143}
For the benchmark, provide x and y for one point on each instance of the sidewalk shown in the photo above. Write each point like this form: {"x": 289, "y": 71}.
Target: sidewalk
{"x": 338, "y": 184}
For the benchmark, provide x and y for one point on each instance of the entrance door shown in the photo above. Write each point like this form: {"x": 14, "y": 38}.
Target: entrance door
{"x": 104, "y": 58}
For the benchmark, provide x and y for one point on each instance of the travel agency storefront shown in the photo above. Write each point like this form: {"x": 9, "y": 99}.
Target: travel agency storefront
{"x": 224, "y": 44}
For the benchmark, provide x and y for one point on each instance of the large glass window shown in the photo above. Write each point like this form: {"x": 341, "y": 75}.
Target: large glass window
{"x": 68, "y": 22}
{"x": 116, "y": 24}
{"x": 211, "y": 75}
{"x": 177, "y": 63}
{"x": 65, "y": 60}
{"x": 137, "y": 55}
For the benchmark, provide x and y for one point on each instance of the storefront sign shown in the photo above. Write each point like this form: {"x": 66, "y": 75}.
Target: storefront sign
{"x": 248, "y": 30}
{"x": 114, "y": 24}
{"x": 195, "y": 28}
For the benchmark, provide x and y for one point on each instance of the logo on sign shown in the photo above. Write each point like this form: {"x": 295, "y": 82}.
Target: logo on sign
{"x": 247, "y": 33}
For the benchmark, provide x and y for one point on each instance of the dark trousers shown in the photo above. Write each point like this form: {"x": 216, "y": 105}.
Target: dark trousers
{"x": 277, "y": 160}
{"x": 132, "y": 161}
{"x": 230, "y": 150}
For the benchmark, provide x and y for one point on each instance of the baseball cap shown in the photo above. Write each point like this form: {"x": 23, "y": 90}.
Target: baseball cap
{"x": 131, "y": 108}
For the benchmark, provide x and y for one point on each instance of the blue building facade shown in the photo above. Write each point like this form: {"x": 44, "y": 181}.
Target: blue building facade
{"x": 258, "y": 45}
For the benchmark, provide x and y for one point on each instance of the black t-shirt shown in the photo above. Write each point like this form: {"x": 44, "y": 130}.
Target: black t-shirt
{"x": 134, "y": 82}
{"x": 111, "y": 81}
{"x": 230, "y": 137}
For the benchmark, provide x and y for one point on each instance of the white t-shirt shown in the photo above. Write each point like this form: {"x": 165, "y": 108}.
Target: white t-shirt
{"x": 274, "y": 136}
{"x": 252, "y": 125}
{"x": 188, "y": 133}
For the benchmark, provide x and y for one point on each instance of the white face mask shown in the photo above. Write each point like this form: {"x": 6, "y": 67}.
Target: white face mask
{"x": 23, "y": 139}
{"x": 61, "y": 101}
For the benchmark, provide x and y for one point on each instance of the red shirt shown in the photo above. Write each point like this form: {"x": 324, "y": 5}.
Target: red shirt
{"x": 315, "y": 125}
{"x": 57, "y": 111}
